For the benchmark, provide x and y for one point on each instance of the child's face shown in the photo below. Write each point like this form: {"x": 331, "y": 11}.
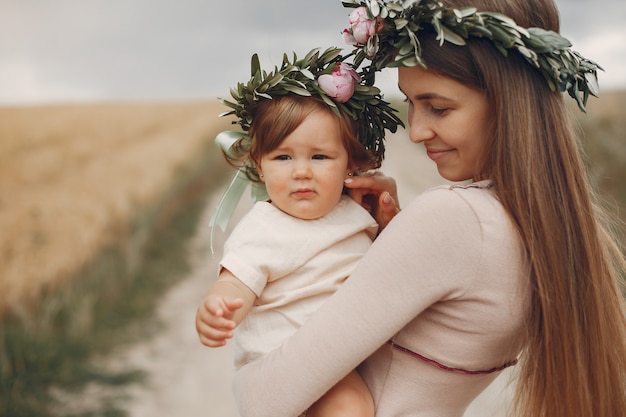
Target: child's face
{"x": 304, "y": 175}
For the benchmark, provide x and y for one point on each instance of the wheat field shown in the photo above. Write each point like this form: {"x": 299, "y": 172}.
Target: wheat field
{"x": 72, "y": 177}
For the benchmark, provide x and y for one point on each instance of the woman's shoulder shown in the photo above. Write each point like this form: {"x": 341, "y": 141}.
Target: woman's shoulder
{"x": 470, "y": 211}
{"x": 475, "y": 199}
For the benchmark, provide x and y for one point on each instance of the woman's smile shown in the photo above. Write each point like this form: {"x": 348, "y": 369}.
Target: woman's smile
{"x": 437, "y": 154}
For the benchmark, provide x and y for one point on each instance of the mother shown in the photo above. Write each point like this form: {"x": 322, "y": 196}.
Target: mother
{"x": 469, "y": 278}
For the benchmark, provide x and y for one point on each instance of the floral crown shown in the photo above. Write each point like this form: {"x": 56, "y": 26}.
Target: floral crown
{"x": 385, "y": 32}
{"x": 324, "y": 75}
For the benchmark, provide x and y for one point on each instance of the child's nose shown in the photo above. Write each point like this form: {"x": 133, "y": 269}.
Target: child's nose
{"x": 302, "y": 169}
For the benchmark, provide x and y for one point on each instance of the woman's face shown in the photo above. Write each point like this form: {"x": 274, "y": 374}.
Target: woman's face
{"x": 450, "y": 118}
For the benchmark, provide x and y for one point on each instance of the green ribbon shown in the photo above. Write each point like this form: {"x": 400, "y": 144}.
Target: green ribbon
{"x": 231, "y": 197}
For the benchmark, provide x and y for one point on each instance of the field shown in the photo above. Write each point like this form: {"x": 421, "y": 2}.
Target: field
{"x": 73, "y": 178}
{"x": 91, "y": 203}
{"x": 604, "y": 139}
{"x": 95, "y": 207}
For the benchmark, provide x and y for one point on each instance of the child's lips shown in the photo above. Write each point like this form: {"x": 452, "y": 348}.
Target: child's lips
{"x": 303, "y": 193}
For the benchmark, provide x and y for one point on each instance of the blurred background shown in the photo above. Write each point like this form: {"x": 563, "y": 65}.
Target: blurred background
{"x": 92, "y": 50}
{"x": 108, "y": 176}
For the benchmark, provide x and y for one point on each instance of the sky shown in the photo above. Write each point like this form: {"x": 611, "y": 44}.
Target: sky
{"x": 74, "y": 51}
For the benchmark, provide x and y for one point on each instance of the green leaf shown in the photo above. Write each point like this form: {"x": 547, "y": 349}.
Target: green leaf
{"x": 501, "y": 36}
{"x": 400, "y": 23}
{"x": 452, "y": 37}
{"x": 405, "y": 49}
{"x": 297, "y": 90}
{"x": 536, "y": 43}
{"x": 308, "y": 74}
{"x": 330, "y": 54}
{"x": 275, "y": 80}
{"x": 255, "y": 65}
{"x": 411, "y": 61}
{"x": 526, "y": 52}
{"x": 267, "y": 96}
{"x": 479, "y": 31}
{"x": 592, "y": 83}
{"x": 328, "y": 100}
{"x": 310, "y": 55}
{"x": 230, "y": 104}
{"x": 500, "y": 17}
{"x": 466, "y": 11}
{"x": 552, "y": 40}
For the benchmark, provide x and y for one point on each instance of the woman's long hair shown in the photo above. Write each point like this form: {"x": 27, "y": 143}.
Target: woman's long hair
{"x": 574, "y": 361}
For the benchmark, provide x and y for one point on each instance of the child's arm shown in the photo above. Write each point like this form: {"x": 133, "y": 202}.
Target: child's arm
{"x": 223, "y": 308}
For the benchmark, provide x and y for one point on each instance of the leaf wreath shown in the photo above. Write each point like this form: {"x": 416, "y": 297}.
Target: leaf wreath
{"x": 397, "y": 43}
{"x": 299, "y": 76}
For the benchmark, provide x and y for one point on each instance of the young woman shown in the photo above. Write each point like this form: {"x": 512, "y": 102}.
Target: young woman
{"x": 467, "y": 280}
{"x": 292, "y": 251}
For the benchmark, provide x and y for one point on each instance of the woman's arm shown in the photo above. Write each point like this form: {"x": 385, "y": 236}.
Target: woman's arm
{"x": 407, "y": 269}
{"x": 224, "y": 307}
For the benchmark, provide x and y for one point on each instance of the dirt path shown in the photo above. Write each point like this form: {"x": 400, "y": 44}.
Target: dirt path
{"x": 187, "y": 379}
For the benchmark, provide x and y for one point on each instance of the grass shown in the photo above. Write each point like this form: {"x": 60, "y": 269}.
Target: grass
{"x": 157, "y": 163}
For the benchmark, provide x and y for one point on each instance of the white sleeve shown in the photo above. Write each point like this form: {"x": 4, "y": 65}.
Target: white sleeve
{"x": 426, "y": 254}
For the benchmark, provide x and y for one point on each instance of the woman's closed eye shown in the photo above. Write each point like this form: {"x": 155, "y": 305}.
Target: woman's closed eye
{"x": 440, "y": 111}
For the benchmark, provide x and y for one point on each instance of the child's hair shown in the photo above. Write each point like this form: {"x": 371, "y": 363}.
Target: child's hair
{"x": 277, "y": 118}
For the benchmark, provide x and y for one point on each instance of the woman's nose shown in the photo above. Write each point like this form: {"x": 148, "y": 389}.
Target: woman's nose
{"x": 419, "y": 131}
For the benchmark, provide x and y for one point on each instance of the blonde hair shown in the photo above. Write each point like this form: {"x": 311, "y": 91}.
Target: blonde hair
{"x": 574, "y": 361}
{"x": 277, "y": 118}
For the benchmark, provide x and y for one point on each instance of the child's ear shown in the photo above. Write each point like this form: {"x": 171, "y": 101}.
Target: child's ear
{"x": 261, "y": 176}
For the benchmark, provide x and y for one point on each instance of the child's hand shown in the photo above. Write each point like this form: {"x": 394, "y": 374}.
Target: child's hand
{"x": 214, "y": 319}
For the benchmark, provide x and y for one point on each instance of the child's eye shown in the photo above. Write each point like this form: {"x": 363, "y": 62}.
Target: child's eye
{"x": 282, "y": 157}
{"x": 320, "y": 156}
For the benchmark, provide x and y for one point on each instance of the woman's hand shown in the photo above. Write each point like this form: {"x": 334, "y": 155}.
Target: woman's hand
{"x": 377, "y": 193}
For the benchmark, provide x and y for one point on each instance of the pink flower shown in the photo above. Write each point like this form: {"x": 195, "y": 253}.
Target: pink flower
{"x": 339, "y": 84}
{"x": 361, "y": 27}
{"x": 348, "y": 38}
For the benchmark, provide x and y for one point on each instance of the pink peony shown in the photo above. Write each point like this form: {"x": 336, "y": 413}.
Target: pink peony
{"x": 361, "y": 27}
{"x": 349, "y": 38}
{"x": 339, "y": 84}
